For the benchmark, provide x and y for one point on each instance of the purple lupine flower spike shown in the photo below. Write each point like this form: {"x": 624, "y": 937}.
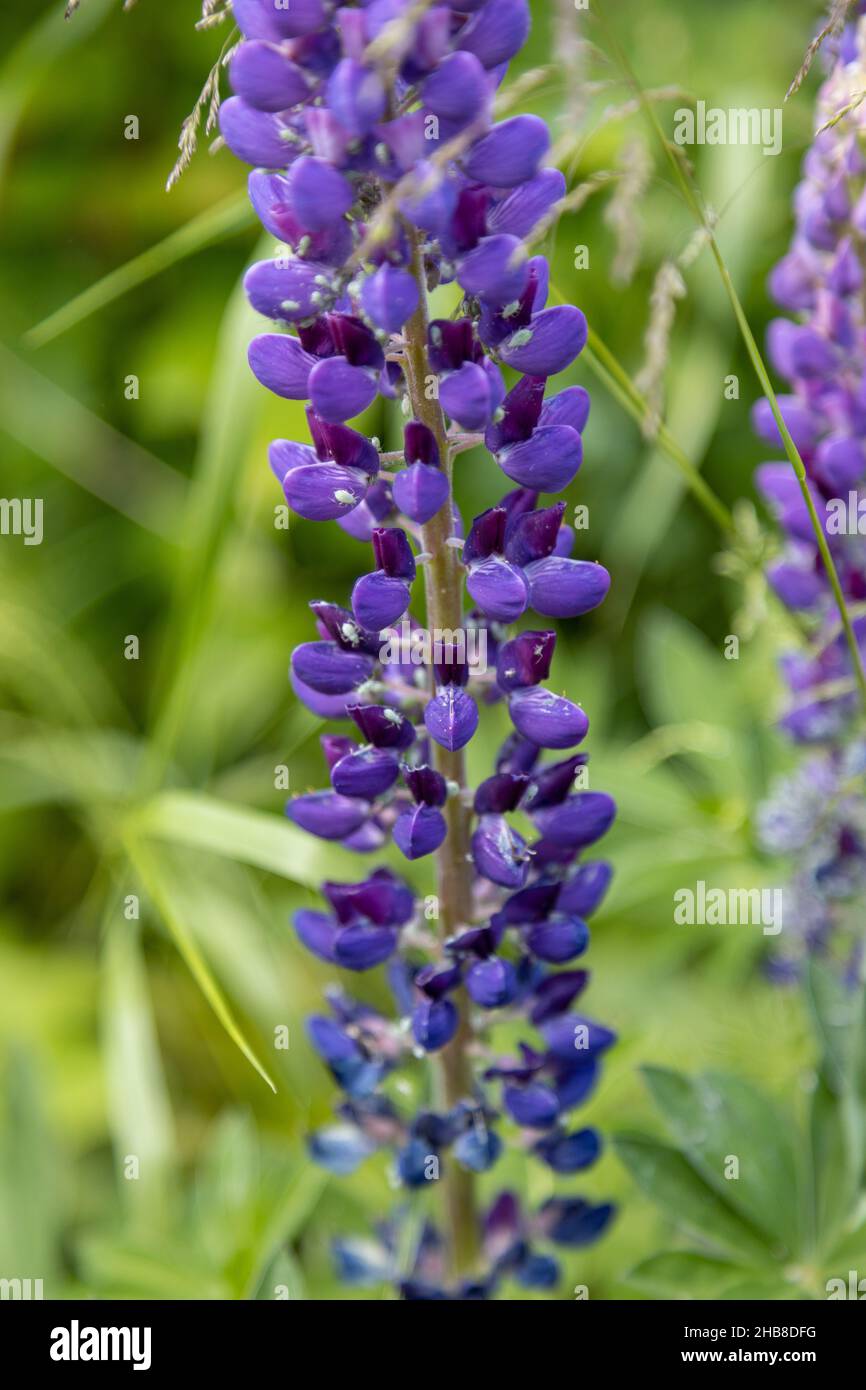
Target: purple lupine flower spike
{"x": 343, "y": 112}
{"x": 816, "y": 815}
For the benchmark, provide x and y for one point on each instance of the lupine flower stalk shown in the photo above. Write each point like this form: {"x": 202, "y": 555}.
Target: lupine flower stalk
{"x": 818, "y": 814}
{"x": 379, "y": 168}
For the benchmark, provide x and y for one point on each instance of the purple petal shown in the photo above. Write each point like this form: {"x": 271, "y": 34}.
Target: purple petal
{"x": 367, "y": 773}
{"x": 420, "y": 831}
{"x": 495, "y": 270}
{"x": 558, "y": 940}
{"x": 326, "y": 814}
{"x": 551, "y": 721}
{"x": 580, "y": 820}
{"x": 284, "y": 290}
{"x": 552, "y": 341}
{"x": 451, "y": 717}
{"x": 533, "y": 535}
{"x": 563, "y": 588}
{"x": 420, "y": 491}
{"x": 457, "y": 89}
{"x": 499, "y": 589}
{"x": 383, "y": 727}
{"x": 499, "y": 852}
{"x": 266, "y": 79}
{"x": 325, "y": 706}
{"x": 547, "y": 462}
{"x": 340, "y": 391}
{"x": 325, "y": 667}
{"x": 389, "y": 297}
{"x": 520, "y": 211}
{"x": 496, "y": 33}
{"x": 356, "y": 96}
{"x": 319, "y": 193}
{"x": 256, "y": 137}
{"x": 582, "y": 893}
{"x": 434, "y": 1023}
{"x": 281, "y": 364}
{"x": 322, "y": 491}
{"x": 568, "y": 407}
{"x": 469, "y": 395}
{"x": 534, "y": 1106}
{"x": 362, "y": 947}
{"x": 512, "y": 151}
{"x": 492, "y": 983}
{"x": 318, "y": 932}
{"x": 525, "y": 660}
{"x": 555, "y": 993}
{"x": 379, "y": 600}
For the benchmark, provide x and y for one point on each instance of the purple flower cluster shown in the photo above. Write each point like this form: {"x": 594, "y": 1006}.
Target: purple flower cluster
{"x": 820, "y": 349}
{"x": 379, "y": 168}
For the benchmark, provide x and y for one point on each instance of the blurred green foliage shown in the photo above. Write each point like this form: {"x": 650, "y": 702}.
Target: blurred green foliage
{"x": 155, "y": 777}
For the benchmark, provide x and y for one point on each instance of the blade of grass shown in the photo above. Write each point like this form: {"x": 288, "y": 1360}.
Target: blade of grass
{"x": 69, "y": 437}
{"x": 147, "y": 868}
{"x": 695, "y": 206}
{"x": 232, "y": 215}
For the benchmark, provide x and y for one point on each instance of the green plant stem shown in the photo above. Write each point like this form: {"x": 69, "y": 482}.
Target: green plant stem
{"x": 695, "y": 207}
{"x": 443, "y": 579}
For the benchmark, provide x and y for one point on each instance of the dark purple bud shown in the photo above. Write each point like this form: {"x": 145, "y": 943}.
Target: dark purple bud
{"x": 532, "y": 535}
{"x": 451, "y": 717}
{"x": 569, "y": 407}
{"x": 551, "y": 721}
{"x": 521, "y": 411}
{"x": 558, "y": 940}
{"x": 393, "y": 553}
{"x": 492, "y": 983}
{"x": 337, "y": 746}
{"x": 486, "y": 535}
{"x": 427, "y": 786}
{"x": 256, "y": 137}
{"x": 500, "y": 853}
{"x": 534, "y": 1106}
{"x": 383, "y": 899}
{"x": 561, "y": 588}
{"x": 495, "y": 270}
{"x": 340, "y": 625}
{"x": 556, "y": 993}
{"x": 420, "y": 491}
{"x": 356, "y": 96}
{"x": 457, "y": 91}
{"x": 266, "y": 79}
{"x": 524, "y": 661}
{"x": 532, "y": 904}
{"x": 552, "y": 784}
{"x": 569, "y": 1153}
{"x": 517, "y": 755}
{"x": 286, "y": 290}
{"x": 389, "y": 297}
{"x": 573, "y": 1221}
{"x": 495, "y": 34}
{"x": 584, "y": 891}
{"x": 550, "y": 343}
{"x": 420, "y": 831}
{"x": 500, "y": 793}
{"x": 367, "y": 773}
{"x": 281, "y": 364}
{"x": 329, "y": 669}
{"x": 580, "y": 820}
{"x": 327, "y": 815}
{"x": 547, "y": 462}
{"x": 499, "y": 589}
{"x": 438, "y": 980}
{"x": 362, "y": 947}
{"x": 564, "y": 542}
{"x": 382, "y": 726}
{"x": 510, "y": 154}
{"x": 434, "y": 1023}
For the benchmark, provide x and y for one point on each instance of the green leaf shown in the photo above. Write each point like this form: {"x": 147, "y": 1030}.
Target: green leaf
{"x": 839, "y": 1018}
{"x": 138, "y": 1105}
{"x": 684, "y": 1274}
{"x": 156, "y": 886}
{"x": 715, "y": 1117}
{"x": 666, "y": 1176}
{"x": 128, "y": 1268}
{"x": 283, "y": 1279}
{"x": 250, "y": 837}
{"x": 232, "y": 215}
{"x": 31, "y": 1178}
{"x": 838, "y": 1138}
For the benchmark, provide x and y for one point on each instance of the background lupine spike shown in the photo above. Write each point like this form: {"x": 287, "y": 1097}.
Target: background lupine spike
{"x": 343, "y": 114}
